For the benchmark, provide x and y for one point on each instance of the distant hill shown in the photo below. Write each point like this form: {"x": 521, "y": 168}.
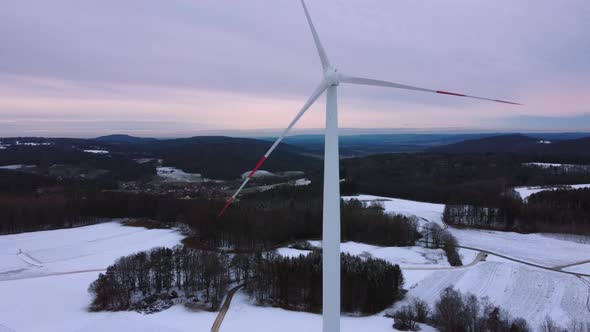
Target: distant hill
{"x": 514, "y": 143}
{"x": 118, "y": 138}
{"x": 215, "y": 157}
{"x": 519, "y": 144}
{"x": 220, "y": 157}
{"x": 367, "y": 144}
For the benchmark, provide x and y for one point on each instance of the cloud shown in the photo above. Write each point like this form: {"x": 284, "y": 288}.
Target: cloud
{"x": 207, "y": 63}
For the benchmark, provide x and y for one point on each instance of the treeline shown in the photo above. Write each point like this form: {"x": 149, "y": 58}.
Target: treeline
{"x": 259, "y": 221}
{"x": 458, "y": 312}
{"x": 368, "y": 285}
{"x": 559, "y": 211}
{"x": 156, "y": 277}
{"x": 133, "y": 280}
{"x": 32, "y": 212}
{"x": 478, "y": 180}
{"x": 438, "y": 238}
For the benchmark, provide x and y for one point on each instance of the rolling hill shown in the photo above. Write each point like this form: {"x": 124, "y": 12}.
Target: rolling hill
{"x": 519, "y": 144}
{"x": 215, "y": 157}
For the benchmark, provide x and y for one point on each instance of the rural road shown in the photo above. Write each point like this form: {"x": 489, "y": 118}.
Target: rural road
{"x": 224, "y": 308}
{"x": 561, "y": 267}
{"x": 555, "y": 269}
{"x": 528, "y": 263}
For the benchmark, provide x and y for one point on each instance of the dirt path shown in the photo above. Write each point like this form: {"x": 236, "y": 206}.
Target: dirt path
{"x": 224, "y": 308}
{"x": 53, "y": 274}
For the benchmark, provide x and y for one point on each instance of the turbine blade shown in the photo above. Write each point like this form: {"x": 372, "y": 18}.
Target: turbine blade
{"x": 368, "y": 81}
{"x": 314, "y": 96}
{"x": 316, "y": 39}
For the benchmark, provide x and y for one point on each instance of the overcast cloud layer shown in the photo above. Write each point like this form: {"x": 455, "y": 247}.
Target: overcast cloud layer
{"x": 180, "y": 67}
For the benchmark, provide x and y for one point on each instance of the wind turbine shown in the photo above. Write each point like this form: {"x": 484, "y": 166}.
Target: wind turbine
{"x": 331, "y": 204}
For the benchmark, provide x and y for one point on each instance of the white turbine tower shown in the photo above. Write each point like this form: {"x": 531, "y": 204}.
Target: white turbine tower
{"x": 331, "y": 214}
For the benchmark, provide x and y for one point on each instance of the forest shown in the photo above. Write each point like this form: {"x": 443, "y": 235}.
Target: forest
{"x": 264, "y": 220}
{"x": 558, "y": 211}
{"x": 154, "y": 280}
{"x": 480, "y": 180}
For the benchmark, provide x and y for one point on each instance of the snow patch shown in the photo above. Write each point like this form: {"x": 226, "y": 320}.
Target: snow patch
{"x": 523, "y": 291}
{"x": 15, "y": 167}
{"x": 97, "y": 151}
{"x": 258, "y": 174}
{"x": 525, "y": 192}
{"x": 173, "y": 174}
{"x": 302, "y": 182}
{"x": 425, "y": 212}
{"x": 76, "y": 249}
{"x": 536, "y": 248}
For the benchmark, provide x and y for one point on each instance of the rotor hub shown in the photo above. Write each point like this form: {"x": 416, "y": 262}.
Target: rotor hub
{"x": 332, "y": 76}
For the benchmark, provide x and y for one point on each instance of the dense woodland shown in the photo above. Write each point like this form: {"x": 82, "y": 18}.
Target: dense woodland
{"x": 266, "y": 220}
{"x": 559, "y": 211}
{"x": 475, "y": 188}
{"x": 368, "y": 285}
{"x": 451, "y": 179}
{"x": 157, "y": 277}
{"x": 151, "y": 276}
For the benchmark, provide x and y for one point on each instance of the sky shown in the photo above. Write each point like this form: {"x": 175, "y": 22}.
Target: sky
{"x": 192, "y": 67}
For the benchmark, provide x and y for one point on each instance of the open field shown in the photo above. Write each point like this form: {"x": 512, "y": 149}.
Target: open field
{"x": 76, "y": 249}
{"x": 523, "y": 291}
{"x": 59, "y": 302}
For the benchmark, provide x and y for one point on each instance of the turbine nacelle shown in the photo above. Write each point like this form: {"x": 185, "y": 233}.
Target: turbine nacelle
{"x": 332, "y": 77}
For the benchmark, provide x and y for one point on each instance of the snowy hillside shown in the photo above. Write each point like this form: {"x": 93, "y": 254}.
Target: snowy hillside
{"x": 524, "y": 291}
{"x": 426, "y": 212}
{"x": 77, "y": 249}
{"x": 525, "y": 192}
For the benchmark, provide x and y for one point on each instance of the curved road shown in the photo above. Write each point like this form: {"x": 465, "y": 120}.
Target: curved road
{"x": 224, "y": 308}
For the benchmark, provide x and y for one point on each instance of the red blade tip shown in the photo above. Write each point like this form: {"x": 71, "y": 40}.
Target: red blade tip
{"x": 229, "y": 201}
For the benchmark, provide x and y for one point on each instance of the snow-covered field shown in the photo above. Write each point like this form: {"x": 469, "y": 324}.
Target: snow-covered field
{"x": 91, "y": 247}
{"x": 523, "y": 291}
{"x": 245, "y": 316}
{"x": 302, "y": 182}
{"x": 428, "y": 212}
{"x": 405, "y": 257}
{"x": 259, "y": 174}
{"x": 59, "y": 302}
{"x": 172, "y": 174}
{"x": 582, "y": 268}
{"x": 15, "y": 167}
{"x": 564, "y": 167}
{"x": 525, "y": 192}
{"x": 536, "y": 248}
{"x": 97, "y": 151}
{"x": 416, "y": 262}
